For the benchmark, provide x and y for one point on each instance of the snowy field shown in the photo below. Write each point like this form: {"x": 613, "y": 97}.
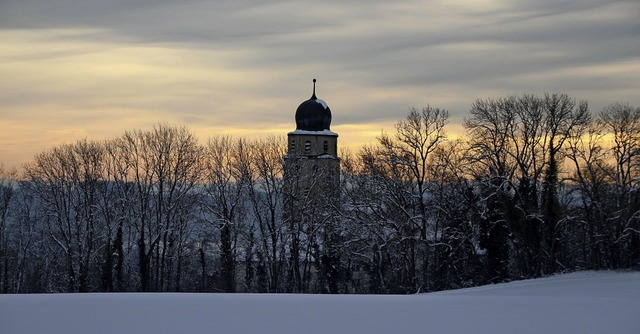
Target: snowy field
{"x": 587, "y": 302}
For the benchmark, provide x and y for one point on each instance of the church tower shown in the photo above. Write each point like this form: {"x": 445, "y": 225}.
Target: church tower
{"x": 311, "y": 191}
{"x": 311, "y": 164}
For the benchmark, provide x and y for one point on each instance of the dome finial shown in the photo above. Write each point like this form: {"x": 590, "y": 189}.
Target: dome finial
{"x": 314, "y": 90}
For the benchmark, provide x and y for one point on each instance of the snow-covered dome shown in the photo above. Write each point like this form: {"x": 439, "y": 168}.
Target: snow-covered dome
{"x": 313, "y": 114}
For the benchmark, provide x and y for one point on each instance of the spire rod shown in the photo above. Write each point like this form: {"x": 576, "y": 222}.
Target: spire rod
{"x": 314, "y": 90}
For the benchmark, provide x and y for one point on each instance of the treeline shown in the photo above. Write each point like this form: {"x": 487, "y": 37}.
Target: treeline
{"x": 538, "y": 185}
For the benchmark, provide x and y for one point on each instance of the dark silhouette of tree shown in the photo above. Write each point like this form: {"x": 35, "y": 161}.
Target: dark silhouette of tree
{"x": 537, "y": 186}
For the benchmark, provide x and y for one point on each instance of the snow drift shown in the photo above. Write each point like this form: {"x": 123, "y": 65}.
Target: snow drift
{"x": 586, "y": 302}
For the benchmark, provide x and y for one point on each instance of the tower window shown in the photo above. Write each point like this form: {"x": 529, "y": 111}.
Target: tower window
{"x": 325, "y": 146}
{"x": 293, "y": 145}
{"x": 307, "y": 146}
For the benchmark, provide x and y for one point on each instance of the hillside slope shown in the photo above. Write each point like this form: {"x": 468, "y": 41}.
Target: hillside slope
{"x": 586, "y": 302}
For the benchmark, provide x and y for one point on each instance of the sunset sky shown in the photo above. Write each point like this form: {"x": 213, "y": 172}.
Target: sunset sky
{"x": 71, "y": 69}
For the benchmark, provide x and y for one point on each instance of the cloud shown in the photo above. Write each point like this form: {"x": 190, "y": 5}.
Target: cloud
{"x": 244, "y": 66}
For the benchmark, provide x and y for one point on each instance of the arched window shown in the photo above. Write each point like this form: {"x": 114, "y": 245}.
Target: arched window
{"x": 307, "y": 146}
{"x": 325, "y": 146}
{"x": 293, "y": 145}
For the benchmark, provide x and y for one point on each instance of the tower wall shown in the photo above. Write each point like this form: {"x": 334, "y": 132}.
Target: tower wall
{"x": 312, "y": 143}
{"x": 312, "y": 164}
{"x": 312, "y": 174}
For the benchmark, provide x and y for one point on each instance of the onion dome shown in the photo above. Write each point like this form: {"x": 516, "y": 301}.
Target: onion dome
{"x": 313, "y": 114}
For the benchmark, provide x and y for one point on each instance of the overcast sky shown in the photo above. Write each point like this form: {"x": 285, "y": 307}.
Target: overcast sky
{"x": 71, "y": 69}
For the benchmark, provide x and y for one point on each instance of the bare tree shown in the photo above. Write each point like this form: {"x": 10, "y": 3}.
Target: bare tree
{"x": 401, "y": 165}
{"x": 176, "y": 158}
{"x": 8, "y": 183}
{"x": 491, "y": 157}
{"x": 416, "y": 138}
{"x": 587, "y": 154}
{"x": 135, "y": 160}
{"x": 562, "y": 115}
{"x": 67, "y": 180}
{"x": 225, "y": 174}
{"x": 623, "y": 123}
{"x": 120, "y": 210}
{"x": 266, "y": 191}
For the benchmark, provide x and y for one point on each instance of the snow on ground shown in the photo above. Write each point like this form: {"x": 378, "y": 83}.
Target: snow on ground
{"x": 585, "y": 302}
